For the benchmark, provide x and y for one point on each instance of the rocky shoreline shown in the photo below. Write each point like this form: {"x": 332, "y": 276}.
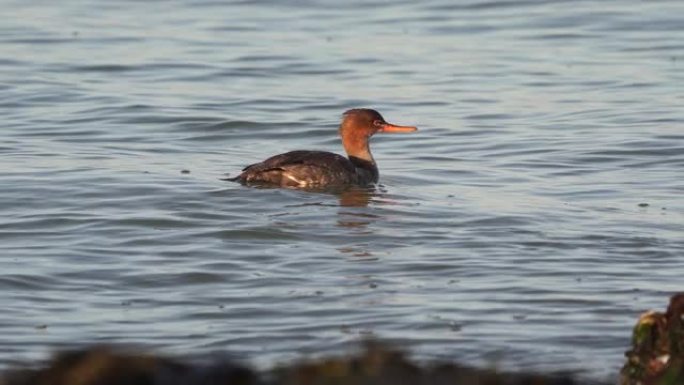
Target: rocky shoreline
{"x": 655, "y": 358}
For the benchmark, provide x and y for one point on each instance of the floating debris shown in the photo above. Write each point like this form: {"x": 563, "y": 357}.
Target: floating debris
{"x": 455, "y": 326}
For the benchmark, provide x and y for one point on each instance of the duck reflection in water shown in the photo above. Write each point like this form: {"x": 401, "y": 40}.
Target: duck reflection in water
{"x": 352, "y": 202}
{"x": 355, "y": 197}
{"x": 353, "y": 216}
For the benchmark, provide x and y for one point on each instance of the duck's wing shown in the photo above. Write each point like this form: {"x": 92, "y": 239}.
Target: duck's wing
{"x": 300, "y": 168}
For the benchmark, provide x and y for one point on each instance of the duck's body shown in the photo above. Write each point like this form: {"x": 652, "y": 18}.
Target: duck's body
{"x": 309, "y": 168}
{"x": 321, "y": 168}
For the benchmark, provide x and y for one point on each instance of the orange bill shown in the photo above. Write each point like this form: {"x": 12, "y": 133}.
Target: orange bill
{"x": 387, "y": 127}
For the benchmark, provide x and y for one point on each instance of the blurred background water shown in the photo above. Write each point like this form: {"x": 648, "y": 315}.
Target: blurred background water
{"x": 535, "y": 214}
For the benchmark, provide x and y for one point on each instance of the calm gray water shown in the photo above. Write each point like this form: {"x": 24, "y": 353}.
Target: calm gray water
{"x": 535, "y": 214}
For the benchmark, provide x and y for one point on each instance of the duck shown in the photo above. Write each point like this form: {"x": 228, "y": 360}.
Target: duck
{"x": 321, "y": 169}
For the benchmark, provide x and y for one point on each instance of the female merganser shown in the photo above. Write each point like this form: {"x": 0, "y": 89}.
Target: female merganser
{"x": 321, "y": 168}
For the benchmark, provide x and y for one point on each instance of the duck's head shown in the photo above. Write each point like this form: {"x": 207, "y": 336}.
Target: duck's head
{"x": 367, "y": 122}
{"x": 359, "y": 124}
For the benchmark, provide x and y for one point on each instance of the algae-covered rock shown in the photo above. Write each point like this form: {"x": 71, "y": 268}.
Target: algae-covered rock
{"x": 657, "y": 353}
{"x": 106, "y": 365}
{"x": 375, "y": 365}
{"x": 379, "y": 365}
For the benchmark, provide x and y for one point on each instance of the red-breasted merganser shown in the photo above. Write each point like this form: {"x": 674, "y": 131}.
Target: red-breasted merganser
{"x": 321, "y": 168}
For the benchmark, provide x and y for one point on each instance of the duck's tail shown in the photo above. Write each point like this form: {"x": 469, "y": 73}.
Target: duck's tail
{"x": 233, "y": 179}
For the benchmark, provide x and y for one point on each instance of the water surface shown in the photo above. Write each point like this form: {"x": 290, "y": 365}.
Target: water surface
{"x": 535, "y": 214}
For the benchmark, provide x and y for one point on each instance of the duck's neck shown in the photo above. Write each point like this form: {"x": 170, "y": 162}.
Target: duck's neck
{"x": 362, "y": 153}
{"x": 356, "y": 146}
{"x": 366, "y": 170}
{"x": 359, "y": 154}
{"x": 362, "y": 159}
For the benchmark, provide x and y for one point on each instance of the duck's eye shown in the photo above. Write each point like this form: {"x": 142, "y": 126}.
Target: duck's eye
{"x": 378, "y": 123}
